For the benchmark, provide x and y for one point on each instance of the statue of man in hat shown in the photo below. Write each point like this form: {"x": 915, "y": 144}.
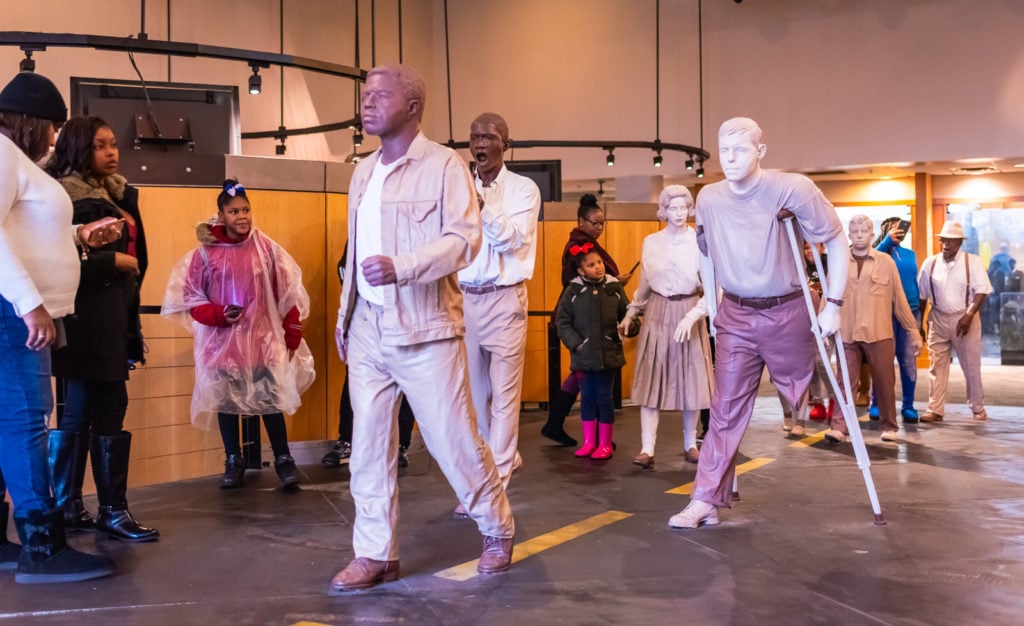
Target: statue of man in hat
{"x": 956, "y": 285}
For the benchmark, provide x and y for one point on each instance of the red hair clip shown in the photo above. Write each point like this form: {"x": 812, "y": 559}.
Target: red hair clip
{"x": 578, "y": 250}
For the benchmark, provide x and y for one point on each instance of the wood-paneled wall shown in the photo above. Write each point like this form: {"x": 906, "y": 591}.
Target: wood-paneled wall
{"x": 312, "y": 227}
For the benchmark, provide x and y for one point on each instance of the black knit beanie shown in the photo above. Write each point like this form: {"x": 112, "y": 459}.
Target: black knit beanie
{"x": 32, "y": 94}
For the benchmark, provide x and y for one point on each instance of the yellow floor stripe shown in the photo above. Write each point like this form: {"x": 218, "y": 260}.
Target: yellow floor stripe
{"x": 809, "y": 440}
{"x": 539, "y": 544}
{"x": 743, "y": 468}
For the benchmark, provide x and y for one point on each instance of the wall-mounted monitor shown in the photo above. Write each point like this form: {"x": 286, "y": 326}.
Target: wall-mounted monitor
{"x": 165, "y": 117}
{"x": 547, "y": 175}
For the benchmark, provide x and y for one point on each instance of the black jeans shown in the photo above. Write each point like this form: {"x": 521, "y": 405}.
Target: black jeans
{"x": 93, "y": 407}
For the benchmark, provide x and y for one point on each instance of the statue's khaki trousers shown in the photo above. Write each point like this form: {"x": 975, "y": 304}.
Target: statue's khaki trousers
{"x": 432, "y": 376}
{"x": 496, "y": 348}
{"x": 942, "y": 342}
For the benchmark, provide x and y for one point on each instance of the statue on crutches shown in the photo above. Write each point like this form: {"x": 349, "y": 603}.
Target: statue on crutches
{"x": 759, "y": 320}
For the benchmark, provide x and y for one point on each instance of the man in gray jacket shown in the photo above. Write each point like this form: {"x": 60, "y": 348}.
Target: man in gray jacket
{"x": 414, "y": 222}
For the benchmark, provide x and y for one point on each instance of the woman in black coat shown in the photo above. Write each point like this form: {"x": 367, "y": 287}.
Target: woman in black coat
{"x": 104, "y": 338}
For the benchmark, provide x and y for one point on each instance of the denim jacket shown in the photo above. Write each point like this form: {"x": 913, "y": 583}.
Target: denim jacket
{"x": 430, "y": 227}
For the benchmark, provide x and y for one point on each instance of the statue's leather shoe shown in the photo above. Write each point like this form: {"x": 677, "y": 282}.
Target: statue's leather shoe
{"x": 695, "y": 514}
{"x": 363, "y": 573}
{"x": 497, "y": 555}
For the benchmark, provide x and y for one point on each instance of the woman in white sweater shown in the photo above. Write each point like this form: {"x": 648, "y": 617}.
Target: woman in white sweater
{"x": 39, "y": 273}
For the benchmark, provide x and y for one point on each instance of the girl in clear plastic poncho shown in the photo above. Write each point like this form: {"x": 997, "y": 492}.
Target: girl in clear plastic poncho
{"x": 241, "y": 296}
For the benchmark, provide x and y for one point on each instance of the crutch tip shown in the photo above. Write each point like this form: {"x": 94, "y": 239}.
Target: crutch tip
{"x": 879, "y": 519}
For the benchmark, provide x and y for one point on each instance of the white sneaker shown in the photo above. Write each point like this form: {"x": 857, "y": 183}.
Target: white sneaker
{"x": 787, "y": 423}
{"x": 798, "y": 430}
{"x": 890, "y": 435}
{"x": 834, "y": 436}
{"x": 695, "y": 514}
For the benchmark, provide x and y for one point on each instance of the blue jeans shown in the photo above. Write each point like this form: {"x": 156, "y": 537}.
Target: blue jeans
{"x": 25, "y": 401}
{"x": 596, "y": 401}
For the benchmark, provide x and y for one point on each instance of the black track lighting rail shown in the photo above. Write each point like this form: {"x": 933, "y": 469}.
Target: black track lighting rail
{"x": 695, "y": 152}
{"x": 40, "y": 41}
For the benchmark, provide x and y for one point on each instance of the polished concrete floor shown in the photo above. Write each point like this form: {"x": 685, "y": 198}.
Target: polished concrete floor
{"x": 799, "y": 548}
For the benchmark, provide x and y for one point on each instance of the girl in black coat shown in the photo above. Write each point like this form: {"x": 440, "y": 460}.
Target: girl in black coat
{"x": 588, "y": 314}
{"x": 104, "y": 338}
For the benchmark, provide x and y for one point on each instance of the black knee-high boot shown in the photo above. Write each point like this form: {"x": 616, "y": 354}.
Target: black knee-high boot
{"x": 68, "y": 452}
{"x": 110, "y": 469}
{"x": 554, "y": 429}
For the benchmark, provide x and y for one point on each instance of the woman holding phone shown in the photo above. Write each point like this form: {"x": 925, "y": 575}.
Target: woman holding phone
{"x": 104, "y": 336}
{"x": 39, "y": 275}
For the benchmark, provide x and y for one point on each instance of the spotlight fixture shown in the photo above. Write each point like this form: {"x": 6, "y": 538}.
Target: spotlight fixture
{"x": 700, "y": 168}
{"x": 27, "y": 64}
{"x": 255, "y": 81}
{"x": 658, "y": 160}
{"x": 610, "y": 160}
{"x": 280, "y": 148}
{"x": 689, "y": 162}
{"x": 357, "y": 137}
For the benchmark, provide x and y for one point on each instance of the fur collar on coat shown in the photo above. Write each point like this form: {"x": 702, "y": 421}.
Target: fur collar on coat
{"x": 110, "y": 188}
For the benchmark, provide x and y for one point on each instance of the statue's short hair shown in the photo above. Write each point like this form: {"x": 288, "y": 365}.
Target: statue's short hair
{"x": 493, "y": 118}
{"x": 413, "y": 85}
{"x": 668, "y": 194}
{"x": 738, "y": 125}
{"x": 861, "y": 219}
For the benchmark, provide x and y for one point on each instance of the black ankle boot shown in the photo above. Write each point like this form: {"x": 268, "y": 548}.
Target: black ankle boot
{"x": 47, "y": 558}
{"x": 284, "y": 465}
{"x": 557, "y": 412}
{"x": 8, "y": 551}
{"x": 234, "y": 471}
{"x": 110, "y": 470}
{"x": 68, "y": 452}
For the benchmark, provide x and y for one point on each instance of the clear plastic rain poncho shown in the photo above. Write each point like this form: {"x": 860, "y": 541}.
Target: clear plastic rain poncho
{"x": 242, "y": 369}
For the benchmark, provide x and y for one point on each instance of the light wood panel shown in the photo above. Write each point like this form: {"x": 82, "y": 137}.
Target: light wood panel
{"x": 337, "y": 235}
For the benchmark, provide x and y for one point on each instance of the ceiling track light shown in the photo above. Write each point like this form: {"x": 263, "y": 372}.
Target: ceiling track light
{"x": 658, "y": 159}
{"x": 357, "y": 137}
{"x": 610, "y": 159}
{"x": 700, "y": 168}
{"x": 689, "y": 162}
{"x": 27, "y": 64}
{"x": 256, "y": 81}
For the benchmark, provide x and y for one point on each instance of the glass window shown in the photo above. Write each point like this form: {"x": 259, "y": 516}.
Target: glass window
{"x": 997, "y": 236}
